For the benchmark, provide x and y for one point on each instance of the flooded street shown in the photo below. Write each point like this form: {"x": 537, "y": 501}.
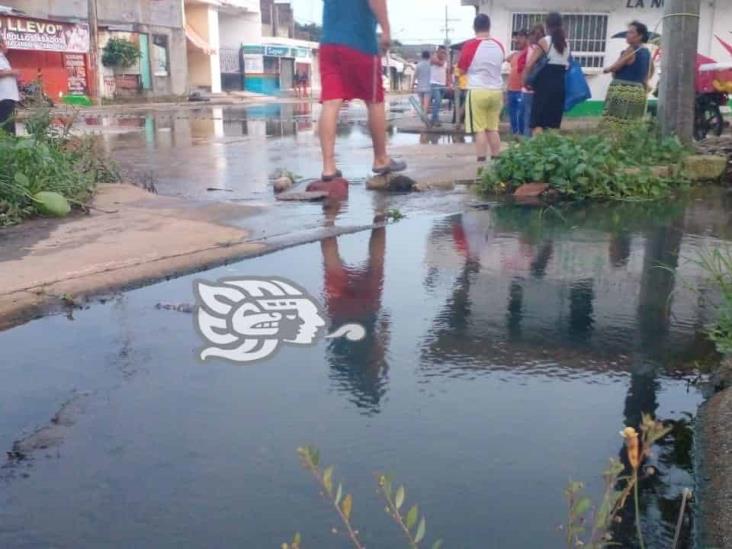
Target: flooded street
{"x": 506, "y": 347}
{"x": 228, "y": 153}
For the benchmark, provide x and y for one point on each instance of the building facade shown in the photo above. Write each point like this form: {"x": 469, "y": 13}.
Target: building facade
{"x": 54, "y": 52}
{"x": 273, "y": 61}
{"x": 156, "y": 27}
{"x": 272, "y": 64}
{"x": 216, "y": 30}
{"x": 591, "y": 25}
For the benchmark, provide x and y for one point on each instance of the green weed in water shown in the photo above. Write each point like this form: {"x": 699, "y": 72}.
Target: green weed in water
{"x": 718, "y": 266}
{"x": 44, "y": 172}
{"x": 413, "y": 524}
{"x": 595, "y": 531}
{"x": 615, "y": 165}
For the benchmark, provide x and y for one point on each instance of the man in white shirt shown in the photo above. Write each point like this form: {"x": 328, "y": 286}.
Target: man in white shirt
{"x": 438, "y": 82}
{"x": 8, "y": 91}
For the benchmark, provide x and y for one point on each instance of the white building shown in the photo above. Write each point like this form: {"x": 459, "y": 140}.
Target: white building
{"x": 591, "y": 24}
{"x": 216, "y": 29}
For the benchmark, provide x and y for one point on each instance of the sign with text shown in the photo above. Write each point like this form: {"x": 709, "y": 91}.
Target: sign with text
{"x": 75, "y": 64}
{"x": 21, "y": 33}
{"x": 640, "y": 4}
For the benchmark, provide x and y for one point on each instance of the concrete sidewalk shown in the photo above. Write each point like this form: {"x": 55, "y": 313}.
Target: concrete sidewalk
{"x": 46, "y": 262}
{"x": 133, "y": 237}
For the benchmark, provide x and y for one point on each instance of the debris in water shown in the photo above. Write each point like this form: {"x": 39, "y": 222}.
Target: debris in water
{"x": 178, "y": 307}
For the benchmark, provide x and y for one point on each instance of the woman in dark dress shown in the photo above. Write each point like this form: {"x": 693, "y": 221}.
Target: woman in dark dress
{"x": 549, "y": 87}
{"x": 627, "y": 96}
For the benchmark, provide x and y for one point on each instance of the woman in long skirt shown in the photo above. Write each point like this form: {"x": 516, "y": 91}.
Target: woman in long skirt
{"x": 627, "y": 97}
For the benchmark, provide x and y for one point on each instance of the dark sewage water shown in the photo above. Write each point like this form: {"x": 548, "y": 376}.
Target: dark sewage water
{"x": 506, "y": 348}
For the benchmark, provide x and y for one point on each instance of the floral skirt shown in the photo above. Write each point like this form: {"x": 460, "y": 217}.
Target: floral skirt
{"x": 626, "y": 102}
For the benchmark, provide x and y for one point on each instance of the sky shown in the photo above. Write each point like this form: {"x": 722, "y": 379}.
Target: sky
{"x": 412, "y": 21}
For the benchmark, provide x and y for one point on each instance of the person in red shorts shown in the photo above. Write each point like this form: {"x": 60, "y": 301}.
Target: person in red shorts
{"x": 350, "y": 68}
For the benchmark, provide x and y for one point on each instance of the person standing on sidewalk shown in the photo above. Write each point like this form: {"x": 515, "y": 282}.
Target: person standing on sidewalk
{"x": 482, "y": 59}
{"x": 423, "y": 75}
{"x": 527, "y": 100}
{"x": 438, "y": 81}
{"x": 9, "y": 96}
{"x": 515, "y": 83}
{"x": 549, "y": 88}
{"x": 350, "y": 68}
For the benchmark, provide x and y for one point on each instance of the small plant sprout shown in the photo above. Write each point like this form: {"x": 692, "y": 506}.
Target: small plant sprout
{"x": 412, "y": 524}
{"x": 638, "y": 448}
{"x": 394, "y": 214}
{"x": 343, "y": 504}
{"x": 294, "y": 544}
{"x": 717, "y": 265}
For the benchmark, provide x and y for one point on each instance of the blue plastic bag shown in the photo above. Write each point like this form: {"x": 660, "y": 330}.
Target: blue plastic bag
{"x": 576, "y": 88}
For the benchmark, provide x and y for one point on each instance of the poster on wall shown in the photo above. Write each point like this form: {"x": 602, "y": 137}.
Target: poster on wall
{"x": 75, "y": 64}
{"x": 21, "y": 33}
{"x": 253, "y": 64}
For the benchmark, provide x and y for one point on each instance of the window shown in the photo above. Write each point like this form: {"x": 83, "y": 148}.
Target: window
{"x": 160, "y": 55}
{"x": 587, "y": 34}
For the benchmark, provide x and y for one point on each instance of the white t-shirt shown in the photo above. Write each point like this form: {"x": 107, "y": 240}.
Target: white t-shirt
{"x": 556, "y": 58}
{"x": 438, "y": 75}
{"x": 8, "y": 84}
{"x": 484, "y": 59}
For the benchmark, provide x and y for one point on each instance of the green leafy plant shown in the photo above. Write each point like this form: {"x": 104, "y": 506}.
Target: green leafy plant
{"x": 119, "y": 53}
{"x": 412, "y": 524}
{"x": 595, "y": 532}
{"x": 49, "y": 171}
{"x": 612, "y": 165}
{"x": 394, "y": 215}
{"x": 343, "y": 504}
{"x": 294, "y": 544}
{"x": 718, "y": 266}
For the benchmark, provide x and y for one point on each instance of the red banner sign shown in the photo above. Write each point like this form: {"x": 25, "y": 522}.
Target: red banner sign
{"x": 76, "y": 69}
{"x": 21, "y": 33}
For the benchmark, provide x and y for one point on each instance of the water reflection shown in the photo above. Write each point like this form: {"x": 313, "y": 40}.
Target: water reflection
{"x": 353, "y": 293}
{"x": 573, "y": 284}
{"x": 581, "y": 289}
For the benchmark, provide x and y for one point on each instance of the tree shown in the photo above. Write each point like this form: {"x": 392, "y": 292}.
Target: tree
{"x": 308, "y": 31}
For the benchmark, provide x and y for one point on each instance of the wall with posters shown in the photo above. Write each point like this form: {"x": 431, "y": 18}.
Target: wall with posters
{"x": 158, "y": 23}
{"x": 54, "y": 52}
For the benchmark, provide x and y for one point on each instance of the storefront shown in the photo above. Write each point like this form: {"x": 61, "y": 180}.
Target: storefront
{"x": 592, "y": 24}
{"x": 56, "y": 53}
{"x": 270, "y": 68}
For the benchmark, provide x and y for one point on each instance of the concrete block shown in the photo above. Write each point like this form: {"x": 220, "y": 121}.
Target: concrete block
{"x": 705, "y": 167}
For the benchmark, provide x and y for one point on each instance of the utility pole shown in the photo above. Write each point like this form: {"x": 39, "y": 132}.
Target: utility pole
{"x": 447, "y": 27}
{"x": 94, "y": 86}
{"x": 678, "y": 65}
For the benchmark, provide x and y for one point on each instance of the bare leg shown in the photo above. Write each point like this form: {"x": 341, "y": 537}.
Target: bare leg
{"x": 327, "y": 130}
{"x": 481, "y": 144}
{"x": 537, "y": 131}
{"x": 494, "y": 141}
{"x": 426, "y": 102}
{"x": 377, "y": 125}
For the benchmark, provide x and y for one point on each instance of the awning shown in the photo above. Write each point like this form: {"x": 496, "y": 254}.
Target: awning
{"x": 195, "y": 39}
{"x": 727, "y": 46}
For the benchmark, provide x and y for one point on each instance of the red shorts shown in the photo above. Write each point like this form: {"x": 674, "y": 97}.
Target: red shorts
{"x": 348, "y": 74}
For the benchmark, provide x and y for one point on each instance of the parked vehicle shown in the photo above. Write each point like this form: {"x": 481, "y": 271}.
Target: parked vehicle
{"x": 713, "y": 86}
